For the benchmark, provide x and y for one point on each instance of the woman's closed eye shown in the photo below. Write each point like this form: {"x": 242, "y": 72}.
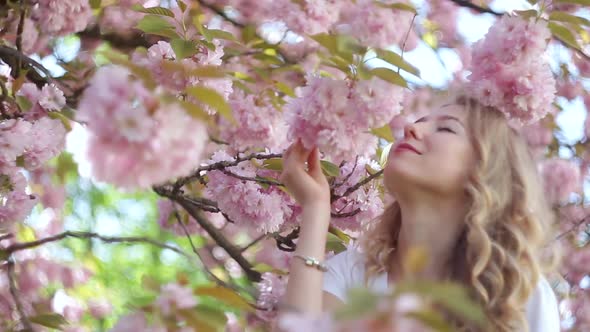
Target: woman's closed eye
{"x": 447, "y": 129}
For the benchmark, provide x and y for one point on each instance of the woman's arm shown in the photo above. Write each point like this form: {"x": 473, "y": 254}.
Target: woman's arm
{"x": 303, "y": 177}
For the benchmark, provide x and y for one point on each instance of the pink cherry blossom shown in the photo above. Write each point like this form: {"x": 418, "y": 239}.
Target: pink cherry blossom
{"x": 364, "y": 204}
{"x": 307, "y": 17}
{"x": 15, "y": 203}
{"x": 258, "y": 124}
{"x": 335, "y": 115}
{"x": 133, "y": 134}
{"x": 561, "y": 177}
{"x": 62, "y": 17}
{"x": 52, "y": 98}
{"x": 246, "y": 202}
{"x": 377, "y": 26}
{"x": 509, "y": 70}
{"x": 174, "y": 297}
{"x": 47, "y": 141}
{"x": 271, "y": 289}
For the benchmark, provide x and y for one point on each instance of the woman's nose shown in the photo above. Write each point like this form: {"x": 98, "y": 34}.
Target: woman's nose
{"x": 411, "y": 131}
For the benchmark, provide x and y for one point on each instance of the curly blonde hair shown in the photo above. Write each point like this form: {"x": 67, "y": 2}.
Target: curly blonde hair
{"x": 497, "y": 256}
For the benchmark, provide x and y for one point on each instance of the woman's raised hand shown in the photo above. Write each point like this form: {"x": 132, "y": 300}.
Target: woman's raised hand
{"x": 308, "y": 185}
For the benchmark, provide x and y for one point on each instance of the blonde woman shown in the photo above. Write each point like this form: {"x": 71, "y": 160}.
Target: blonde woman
{"x": 466, "y": 191}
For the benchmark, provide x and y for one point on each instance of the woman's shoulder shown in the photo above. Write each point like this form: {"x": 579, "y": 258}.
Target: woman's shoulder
{"x": 542, "y": 310}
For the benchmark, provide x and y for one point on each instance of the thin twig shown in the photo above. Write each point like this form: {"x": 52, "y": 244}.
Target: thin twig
{"x": 15, "y": 296}
{"x": 222, "y": 165}
{"x": 477, "y": 8}
{"x": 89, "y": 235}
{"x": 357, "y": 186}
{"x": 256, "y": 240}
{"x": 19, "y": 36}
{"x": 406, "y": 39}
{"x": 573, "y": 228}
{"x": 346, "y": 214}
{"x": 258, "y": 180}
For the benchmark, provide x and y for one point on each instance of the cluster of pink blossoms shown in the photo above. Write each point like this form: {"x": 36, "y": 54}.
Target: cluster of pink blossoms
{"x": 444, "y": 14}
{"x": 561, "y": 177}
{"x": 62, "y": 17}
{"x": 162, "y": 52}
{"x": 259, "y": 124}
{"x": 28, "y": 142}
{"x": 135, "y": 140}
{"x": 335, "y": 115}
{"x": 509, "y": 70}
{"x": 246, "y": 202}
{"x": 377, "y": 26}
{"x": 364, "y": 204}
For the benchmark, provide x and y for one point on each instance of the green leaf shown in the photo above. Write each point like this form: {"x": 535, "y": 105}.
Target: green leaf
{"x": 218, "y": 34}
{"x": 577, "y": 2}
{"x": 204, "y": 318}
{"x": 569, "y": 18}
{"x": 156, "y": 25}
{"x": 335, "y": 244}
{"x": 527, "y": 13}
{"x": 564, "y": 34}
{"x": 533, "y": 2}
{"x": 329, "y": 169}
{"x": 432, "y": 319}
{"x": 389, "y": 76}
{"x": 95, "y": 4}
{"x": 224, "y": 295}
{"x": 194, "y": 110}
{"x": 398, "y": 5}
{"x": 286, "y": 89}
{"x": 181, "y": 5}
{"x": 452, "y": 296}
{"x": 361, "y": 301}
{"x": 274, "y": 164}
{"x": 53, "y": 320}
{"x": 262, "y": 267}
{"x": 211, "y": 98}
{"x": 24, "y": 103}
{"x": 183, "y": 48}
{"x": 338, "y": 233}
{"x": 64, "y": 120}
{"x": 384, "y": 132}
{"x": 153, "y": 10}
{"x": 397, "y": 60}
{"x": 342, "y": 45}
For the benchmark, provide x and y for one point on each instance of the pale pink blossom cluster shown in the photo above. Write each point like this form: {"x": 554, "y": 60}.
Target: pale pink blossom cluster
{"x": 307, "y": 16}
{"x": 377, "y": 26}
{"x": 538, "y": 136}
{"x": 561, "y": 177}
{"x": 121, "y": 18}
{"x": 27, "y": 142}
{"x": 363, "y": 204}
{"x": 444, "y": 14}
{"x": 271, "y": 289}
{"x": 62, "y": 17}
{"x": 174, "y": 297}
{"x": 335, "y": 115}
{"x": 258, "y": 124}
{"x": 509, "y": 70}
{"x": 246, "y": 202}
{"x": 134, "y": 322}
{"x": 135, "y": 140}
{"x": 162, "y": 52}
{"x": 569, "y": 89}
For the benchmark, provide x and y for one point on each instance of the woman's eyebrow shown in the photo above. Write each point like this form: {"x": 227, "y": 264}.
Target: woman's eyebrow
{"x": 450, "y": 117}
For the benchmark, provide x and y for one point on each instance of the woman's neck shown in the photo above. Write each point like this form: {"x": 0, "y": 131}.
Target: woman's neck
{"x": 428, "y": 235}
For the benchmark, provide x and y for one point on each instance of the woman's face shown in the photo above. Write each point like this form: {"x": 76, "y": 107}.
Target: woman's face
{"x": 435, "y": 154}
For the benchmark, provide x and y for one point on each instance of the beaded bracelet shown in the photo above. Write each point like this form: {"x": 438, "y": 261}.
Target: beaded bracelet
{"x": 312, "y": 262}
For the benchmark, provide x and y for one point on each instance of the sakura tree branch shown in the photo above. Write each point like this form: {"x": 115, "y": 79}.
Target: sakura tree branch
{"x": 259, "y": 180}
{"x": 357, "y": 186}
{"x": 477, "y": 8}
{"x": 256, "y": 240}
{"x": 13, "y": 57}
{"x": 117, "y": 41}
{"x": 19, "y": 36}
{"x": 6, "y": 252}
{"x": 222, "y": 165}
{"x": 15, "y": 296}
{"x": 233, "y": 251}
{"x": 196, "y": 251}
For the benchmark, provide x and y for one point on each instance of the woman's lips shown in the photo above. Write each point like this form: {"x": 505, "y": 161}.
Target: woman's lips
{"x": 406, "y": 146}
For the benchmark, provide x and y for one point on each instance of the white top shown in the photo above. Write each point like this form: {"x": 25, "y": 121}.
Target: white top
{"x": 346, "y": 270}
